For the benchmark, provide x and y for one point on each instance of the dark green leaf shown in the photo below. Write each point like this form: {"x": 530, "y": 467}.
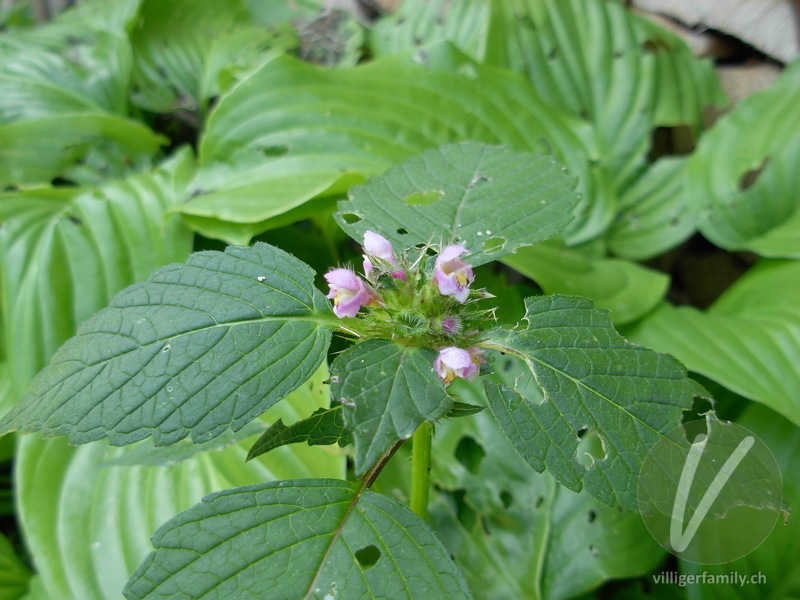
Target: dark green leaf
{"x": 287, "y": 540}
{"x": 387, "y": 391}
{"x": 198, "y": 348}
{"x": 581, "y": 382}
{"x": 488, "y": 198}
{"x": 323, "y": 428}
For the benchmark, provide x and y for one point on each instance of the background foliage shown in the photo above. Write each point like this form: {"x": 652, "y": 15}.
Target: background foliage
{"x": 135, "y": 131}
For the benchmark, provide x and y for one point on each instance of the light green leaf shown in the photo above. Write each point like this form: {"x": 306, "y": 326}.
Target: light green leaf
{"x": 14, "y": 575}
{"x": 624, "y": 288}
{"x": 588, "y": 404}
{"x": 743, "y": 176}
{"x": 653, "y": 213}
{"x": 775, "y": 564}
{"x": 387, "y": 391}
{"x": 518, "y": 535}
{"x": 332, "y": 126}
{"x": 335, "y": 539}
{"x": 748, "y": 340}
{"x": 323, "y": 428}
{"x": 487, "y": 198}
{"x": 198, "y": 348}
{"x": 88, "y": 524}
{"x": 64, "y": 252}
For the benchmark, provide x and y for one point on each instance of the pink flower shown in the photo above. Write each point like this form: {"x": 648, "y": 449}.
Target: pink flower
{"x": 377, "y": 246}
{"x": 455, "y": 362}
{"x": 349, "y": 292}
{"x": 453, "y": 275}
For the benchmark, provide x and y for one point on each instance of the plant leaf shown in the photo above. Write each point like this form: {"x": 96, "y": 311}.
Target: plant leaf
{"x": 198, "y": 348}
{"x": 748, "y": 193}
{"x": 323, "y": 428}
{"x": 387, "y": 391}
{"x": 337, "y": 127}
{"x": 488, "y": 198}
{"x": 588, "y": 404}
{"x": 327, "y": 538}
{"x": 748, "y": 340}
{"x": 626, "y": 289}
{"x": 14, "y": 576}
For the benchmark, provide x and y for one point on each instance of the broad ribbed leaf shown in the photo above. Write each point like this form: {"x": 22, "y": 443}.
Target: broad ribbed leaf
{"x": 64, "y": 252}
{"x": 520, "y": 535}
{"x": 488, "y": 198}
{"x": 323, "y": 428}
{"x": 744, "y": 174}
{"x": 626, "y": 289}
{"x": 748, "y": 340}
{"x": 654, "y": 215}
{"x": 588, "y": 404}
{"x": 198, "y": 348}
{"x": 313, "y": 538}
{"x": 327, "y": 125}
{"x": 387, "y": 391}
{"x": 89, "y": 524}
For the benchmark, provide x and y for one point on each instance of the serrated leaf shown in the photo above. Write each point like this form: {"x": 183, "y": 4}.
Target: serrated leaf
{"x": 624, "y": 288}
{"x": 595, "y": 387}
{"x": 327, "y": 538}
{"x": 337, "y": 126}
{"x": 323, "y": 428}
{"x": 748, "y": 340}
{"x": 387, "y": 391}
{"x": 198, "y": 348}
{"x": 748, "y": 192}
{"x": 488, "y": 198}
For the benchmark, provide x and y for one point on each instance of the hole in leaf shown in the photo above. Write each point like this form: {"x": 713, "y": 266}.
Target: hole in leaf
{"x": 402, "y": 231}
{"x": 537, "y": 504}
{"x": 423, "y": 198}
{"x": 367, "y": 557}
{"x": 465, "y": 514}
{"x": 695, "y": 431}
{"x": 749, "y": 179}
{"x": 590, "y": 448}
{"x": 591, "y": 516}
{"x": 506, "y": 498}
{"x": 494, "y": 244}
{"x": 351, "y": 218}
{"x": 700, "y": 406}
{"x": 274, "y": 150}
{"x": 508, "y": 365}
{"x": 470, "y": 454}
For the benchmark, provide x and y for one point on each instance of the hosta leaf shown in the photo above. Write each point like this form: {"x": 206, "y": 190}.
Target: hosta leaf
{"x": 387, "y": 391}
{"x": 289, "y": 114}
{"x": 488, "y": 198}
{"x": 654, "y": 215}
{"x": 323, "y": 428}
{"x": 626, "y": 289}
{"x": 748, "y": 340}
{"x": 64, "y": 252}
{"x": 89, "y": 524}
{"x": 198, "y": 348}
{"x": 520, "y": 535}
{"x": 327, "y": 538}
{"x": 749, "y": 192}
{"x": 588, "y": 404}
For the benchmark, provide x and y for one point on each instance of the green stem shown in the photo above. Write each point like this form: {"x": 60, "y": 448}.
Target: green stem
{"x": 421, "y": 469}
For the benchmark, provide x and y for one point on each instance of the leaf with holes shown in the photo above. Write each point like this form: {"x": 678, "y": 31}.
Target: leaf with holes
{"x": 488, "y": 198}
{"x": 323, "y": 428}
{"x": 387, "y": 391}
{"x": 588, "y": 404}
{"x": 749, "y": 193}
{"x": 198, "y": 348}
{"x": 336, "y": 539}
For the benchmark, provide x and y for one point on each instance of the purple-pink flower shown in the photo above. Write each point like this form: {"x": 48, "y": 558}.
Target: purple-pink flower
{"x": 349, "y": 292}
{"x": 377, "y": 246}
{"x": 453, "y": 275}
{"x": 455, "y": 362}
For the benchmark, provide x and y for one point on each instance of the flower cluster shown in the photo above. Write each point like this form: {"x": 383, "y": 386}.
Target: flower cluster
{"x": 429, "y": 305}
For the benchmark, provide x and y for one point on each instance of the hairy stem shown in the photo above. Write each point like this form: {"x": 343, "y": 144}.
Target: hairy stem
{"x": 420, "y": 469}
